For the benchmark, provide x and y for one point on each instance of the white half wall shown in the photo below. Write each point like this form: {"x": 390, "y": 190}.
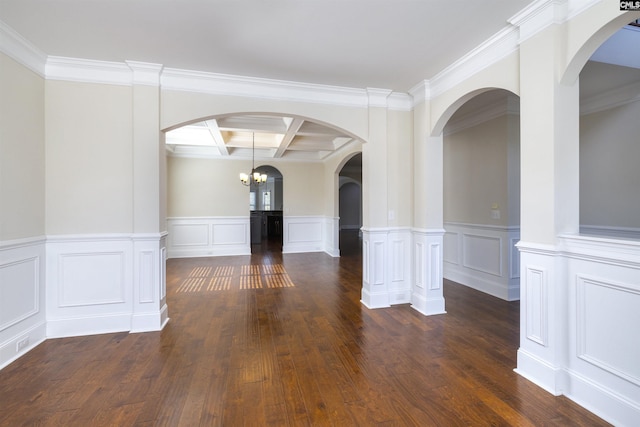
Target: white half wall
{"x": 105, "y": 283}
{"x": 394, "y": 267}
{"x": 22, "y": 297}
{"x": 208, "y": 236}
{"x": 310, "y": 234}
{"x": 222, "y": 236}
{"x": 579, "y": 322}
{"x": 483, "y": 257}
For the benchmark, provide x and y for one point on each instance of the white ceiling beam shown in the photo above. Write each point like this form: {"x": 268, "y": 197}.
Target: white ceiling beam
{"x": 214, "y": 130}
{"x": 292, "y": 130}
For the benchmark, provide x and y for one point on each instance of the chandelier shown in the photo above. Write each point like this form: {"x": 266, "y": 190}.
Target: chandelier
{"x": 254, "y": 177}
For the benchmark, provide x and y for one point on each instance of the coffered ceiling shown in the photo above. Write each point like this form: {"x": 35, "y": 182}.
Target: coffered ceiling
{"x": 273, "y": 136}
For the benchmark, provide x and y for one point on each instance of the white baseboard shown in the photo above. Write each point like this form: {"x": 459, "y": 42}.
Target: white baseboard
{"x": 31, "y": 336}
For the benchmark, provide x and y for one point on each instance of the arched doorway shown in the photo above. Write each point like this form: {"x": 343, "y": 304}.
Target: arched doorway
{"x": 350, "y": 206}
{"x": 481, "y": 152}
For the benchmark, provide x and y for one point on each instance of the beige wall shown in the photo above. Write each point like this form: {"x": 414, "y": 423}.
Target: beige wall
{"x": 22, "y": 191}
{"x": 89, "y": 173}
{"x": 476, "y": 173}
{"x": 609, "y": 171}
{"x": 400, "y": 177}
{"x": 211, "y": 187}
{"x": 206, "y": 187}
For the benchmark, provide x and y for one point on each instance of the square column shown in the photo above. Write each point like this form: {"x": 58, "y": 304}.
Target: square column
{"x": 375, "y": 251}
{"x": 149, "y": 225}
{"x": 549, "y": 208}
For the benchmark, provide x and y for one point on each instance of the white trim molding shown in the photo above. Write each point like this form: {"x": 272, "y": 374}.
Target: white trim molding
{"x": 22, "y": 307}
{"x": 21, "y": 50}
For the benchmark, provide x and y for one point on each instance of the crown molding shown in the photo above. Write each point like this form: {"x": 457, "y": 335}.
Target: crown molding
{"x": 224, "y": 84}
{"x": 543, "y": 13}
{"x": 538, "y": 16}
{"x": 377, "y": 97}
{"x": 497, "y": 47}
{"x": 145, "y": 73}
{"x": 21, "y": 50}
{"x": 255, "y": 87}
{"x": 617, "y": 97}
{"x": 400, "y": 102}
{"x": 421, "y": 92}
{"x": 88, "y": 71}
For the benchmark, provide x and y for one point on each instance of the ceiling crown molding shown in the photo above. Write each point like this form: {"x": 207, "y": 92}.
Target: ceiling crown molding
{"x": 497, "y": 47}
{"x": 224, "y": 84}
{"x": 378, "y": 97}
{"x": 145, "y": 73}
{"x": 88, "y": 71}
{"x": 421, "y": 92}
{"x": 538, "y": 16}
{"x": 21, "y": 50}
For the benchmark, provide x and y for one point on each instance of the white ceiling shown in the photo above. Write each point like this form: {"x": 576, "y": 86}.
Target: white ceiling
{"x": 388, "y": 44}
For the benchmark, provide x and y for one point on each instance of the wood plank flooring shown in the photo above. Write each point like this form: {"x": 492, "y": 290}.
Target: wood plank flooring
{"x": 301, "y": 353}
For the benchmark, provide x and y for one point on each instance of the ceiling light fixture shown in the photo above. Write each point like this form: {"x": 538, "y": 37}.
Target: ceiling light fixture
{"x": 254, "y": 177}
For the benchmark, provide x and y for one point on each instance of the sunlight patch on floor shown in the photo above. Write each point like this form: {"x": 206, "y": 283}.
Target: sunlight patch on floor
{"x": 223, "y": 278}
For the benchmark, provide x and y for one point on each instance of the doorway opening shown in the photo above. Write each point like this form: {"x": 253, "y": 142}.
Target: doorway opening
{"x": 266, "y": 207}
{"x": 350, "y": 206}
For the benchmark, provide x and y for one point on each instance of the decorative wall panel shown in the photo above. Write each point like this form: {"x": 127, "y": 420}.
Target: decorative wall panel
{"x": 91, "y": 279}
{"x": 476, "y": 255}
{"x": 208, "y": 236}
{"x": 605, "y": 311}
{"x": 536, "y": 304}
{"x": 482, "y": 253}
{"x": 19, "y": 291}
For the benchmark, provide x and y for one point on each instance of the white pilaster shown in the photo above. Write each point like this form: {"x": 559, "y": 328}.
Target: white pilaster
{"x": 375, "y": 286}
{"x": 426, "y": 295}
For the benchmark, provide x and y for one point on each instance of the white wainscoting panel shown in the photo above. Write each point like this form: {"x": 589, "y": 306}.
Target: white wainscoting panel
{"x": 304, "y": 234}
{"x": 400, "y": 259}
{"x": 426, "y": 293}
{"x": 332, "y": 236}
{"x": 89, "y": 284}
{"x": 482, "y": 253}
{"x": 579, "y": 314}
{"x": 222, "y": 236}
{"x": 535, "y": 305}
{"x": 92, "y": 278}
{"x": 602, "y": 308}
{"x": 483, "y": 257}
{"x": 149, "y": 283}
{"x": 19, "y": 302}
{"x": 105, "y": 283}
{"x": 22, "y": 297}
{"x": 604, "y": 312}
{"x": 208, "y": 236}
{"x": 375, "y": 268}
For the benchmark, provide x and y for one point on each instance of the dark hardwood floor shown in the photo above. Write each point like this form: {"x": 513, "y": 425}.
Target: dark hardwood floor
{"x": 282, "y": 340}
